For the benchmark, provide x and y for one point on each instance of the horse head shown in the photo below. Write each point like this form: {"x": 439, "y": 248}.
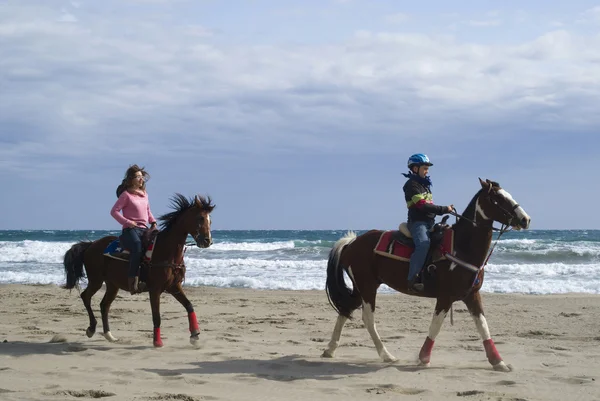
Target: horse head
{"x": 495, "y": 203}
{"x": 198, "y": 223}
{"x": 190, "y": 216}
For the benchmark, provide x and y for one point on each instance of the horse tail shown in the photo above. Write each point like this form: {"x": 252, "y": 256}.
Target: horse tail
{"x": 73, "y": 263}
{"x": 341, "y": 298}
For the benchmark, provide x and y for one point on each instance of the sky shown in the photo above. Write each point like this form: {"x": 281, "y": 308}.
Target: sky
{"x": 297, "y": 114}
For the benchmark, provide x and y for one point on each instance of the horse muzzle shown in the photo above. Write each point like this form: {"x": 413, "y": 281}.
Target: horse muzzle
{"x": 522, "y": 223}
{"x": 204, "y": 242}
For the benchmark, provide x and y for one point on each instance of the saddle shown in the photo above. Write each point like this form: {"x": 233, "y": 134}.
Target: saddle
{"x": 399, "y": 244}
{"x": 116, "y": 251}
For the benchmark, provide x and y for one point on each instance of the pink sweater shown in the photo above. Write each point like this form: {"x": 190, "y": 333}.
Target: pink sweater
{"x": 135, "y": 209}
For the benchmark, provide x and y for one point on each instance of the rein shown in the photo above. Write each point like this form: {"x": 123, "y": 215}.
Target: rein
{"x": 174, "y": 265}
{"x": 460, "y": 216}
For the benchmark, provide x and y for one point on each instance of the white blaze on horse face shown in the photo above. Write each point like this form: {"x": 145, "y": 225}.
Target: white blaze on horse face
{"x": 209, "y": 231}
{"x": 436, "y": 324}
{"x": 479, "y": 210}
{"x": 521, "y": 214}
{"x": 482, "y": 327}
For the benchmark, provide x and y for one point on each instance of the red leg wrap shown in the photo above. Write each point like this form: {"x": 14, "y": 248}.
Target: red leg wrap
{"x": 425, "y": 354}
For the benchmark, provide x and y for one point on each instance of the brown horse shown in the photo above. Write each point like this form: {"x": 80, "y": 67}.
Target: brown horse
{"x": 368, "y": 270}
{"x": 166, "y": 270}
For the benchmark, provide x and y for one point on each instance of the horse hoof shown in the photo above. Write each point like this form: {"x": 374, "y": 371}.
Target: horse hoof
{"x": 390, "y": 359}
{"x": 89, "y": 332}
{"x": 327, "y": 354}
{"x": 195, "y": 341}
{"x": 110, "y": 337}
{"x": 424, "y": 364}
{"x": 158, "y": 343}
{"x": 502, "y": 367}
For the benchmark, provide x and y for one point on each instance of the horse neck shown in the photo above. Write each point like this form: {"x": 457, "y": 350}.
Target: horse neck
{"x": 472, "y": 242}
{"x": 170, "y": 244}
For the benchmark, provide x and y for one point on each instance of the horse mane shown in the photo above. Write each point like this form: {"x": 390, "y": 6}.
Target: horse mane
{"x": 181, "y": 204}
{"x": 470, "y": 210}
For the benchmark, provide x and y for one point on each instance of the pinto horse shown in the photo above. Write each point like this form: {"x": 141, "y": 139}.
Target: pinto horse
{"x": 166, "y": 270}
{"x": 454, "y": 281}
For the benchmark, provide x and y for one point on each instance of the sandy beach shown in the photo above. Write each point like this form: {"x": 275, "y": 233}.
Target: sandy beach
{"x": 266, "y": 345}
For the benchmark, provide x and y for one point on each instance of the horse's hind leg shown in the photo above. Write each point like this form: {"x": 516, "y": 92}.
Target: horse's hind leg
{"x": 368, "y": 316}
{"x": 473, "y": 302}
{"x": 441, "y": 309}
{"x": 179, "y": 295}
{"x": 334, "y": 343}
{"x": 109, "y": 297}
{"x": 86, "y": 297}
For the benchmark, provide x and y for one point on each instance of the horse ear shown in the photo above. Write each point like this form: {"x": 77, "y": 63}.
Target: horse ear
{"x": 197, "y": 202}
{"x": 487, "y": 184}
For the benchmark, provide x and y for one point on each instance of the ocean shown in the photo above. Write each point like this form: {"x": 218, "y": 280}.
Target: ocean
{"x": 531, "y": 262}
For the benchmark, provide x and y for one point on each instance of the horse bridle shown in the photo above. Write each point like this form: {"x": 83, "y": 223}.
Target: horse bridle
{"x": 508, "y": 214}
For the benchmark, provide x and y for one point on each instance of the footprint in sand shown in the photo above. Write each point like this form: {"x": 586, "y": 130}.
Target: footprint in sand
{"x": 168, "y": 373}
{"x": 506, "y": 383}
{"x": 181, "y": 397}
{"x": 84, "y": 393}
{"x": 574, "y": 379}
{"x": 468, "y": 393}
{"x": 392, "y": 388}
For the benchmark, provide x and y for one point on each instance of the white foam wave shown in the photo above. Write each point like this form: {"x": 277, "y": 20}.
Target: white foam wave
{"x": 545, "y": 270}
{"x": 252, "y": 246}
{"x": 518, "y": 241}
{"x": 33, "y": 251}
{"x": 545, "y": 286}
{"x": 36, "y": 277}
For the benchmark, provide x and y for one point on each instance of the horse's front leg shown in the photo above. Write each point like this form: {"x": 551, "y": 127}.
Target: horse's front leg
{"x": 473, "y": 302}
{"x": 177, "y": 292}
{"x": 441, "y": 310}
{"x": 155, "y": 305}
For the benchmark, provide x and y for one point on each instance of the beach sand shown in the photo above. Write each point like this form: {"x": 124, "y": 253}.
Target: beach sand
{"x": 266, "y": 345}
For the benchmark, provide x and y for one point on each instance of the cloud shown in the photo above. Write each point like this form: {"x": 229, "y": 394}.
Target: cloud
{"x": 592, "y": 14}
{"x": 485, "y": 22}
{"x": 67, "y": 17}
{"x": 398, "y": 18}
{"x": 74, "y": 92}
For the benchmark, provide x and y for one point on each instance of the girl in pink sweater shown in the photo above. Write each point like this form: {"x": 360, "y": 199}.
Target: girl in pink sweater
{"x": 132, "y": 211}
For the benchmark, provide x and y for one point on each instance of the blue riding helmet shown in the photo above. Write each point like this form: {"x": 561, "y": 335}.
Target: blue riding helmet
{"x": 419, "y": 159}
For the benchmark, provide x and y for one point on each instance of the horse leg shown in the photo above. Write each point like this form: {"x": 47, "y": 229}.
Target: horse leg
{"x": 155, "y": 305}
{"x": 109, "y": 297}
{"x": 473, "y": 302}
{"x": 335, "y": 337}
{"x": 86, "y": 297}
{"x": 179, "y": 295}
{"x": 439, "y": 314}
{"x": 368, "y": 317}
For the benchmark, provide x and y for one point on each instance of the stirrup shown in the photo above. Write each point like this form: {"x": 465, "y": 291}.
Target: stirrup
{"x": 415, "y": 285}
{"x": 133, "y": 284}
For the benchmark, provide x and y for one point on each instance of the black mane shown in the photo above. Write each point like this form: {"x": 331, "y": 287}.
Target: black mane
{"x": 180, "y": 204}
{"x": 469, "y": 212}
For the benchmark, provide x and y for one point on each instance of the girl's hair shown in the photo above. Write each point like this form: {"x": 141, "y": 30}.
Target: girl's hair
{"x": 129, "y": 176}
